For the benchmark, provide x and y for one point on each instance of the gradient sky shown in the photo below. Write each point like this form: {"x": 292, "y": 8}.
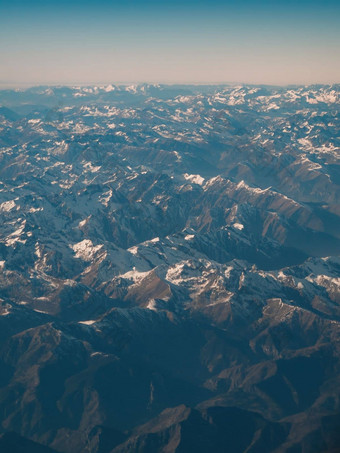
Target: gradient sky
{"x": 249, "y": 41}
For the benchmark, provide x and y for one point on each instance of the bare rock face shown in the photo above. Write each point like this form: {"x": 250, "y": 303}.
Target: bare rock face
{"x": 169, "y": 269}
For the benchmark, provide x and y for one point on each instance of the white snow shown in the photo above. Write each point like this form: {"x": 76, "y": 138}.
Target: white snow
{"x": 195, "y": 179}
{"x": 241, "y": 281}
{"x": 16, "y": 235}
{"x": 238, "y": 226}
{"x": 184, "y": 271}
{"x": 178, "y": 156}
{"x": 212, "y": 181}
{"x": 134, "y": 275}
{"x": 227, "y": 271}
{"x": 83, "y": 222}
{"x": 255, "y": 190}
{"x": 95, "y": 353}
{"x": 106, "y": 197}
{"x": 133, "y": 250}
{"x": 109, "y": 88}
{"x": 325, "y": 281}
{"x": 5, "y": 312}
{"x": 87, "y": 323}
{"x": 85, "y": 249}
{"x": 38, "y": 250}
{"x": 89, "y": 167}
{"x": 328, "y": 98}
{"x": 174, "y": 273}
{"x": 131, "y": 88}
{"x": 272, "y": 106}
{"x": 152, "y": 305}
{"x": 7, "y": 206}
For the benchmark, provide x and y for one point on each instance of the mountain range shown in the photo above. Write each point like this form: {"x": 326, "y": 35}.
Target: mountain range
{"x": 170, "y": 269}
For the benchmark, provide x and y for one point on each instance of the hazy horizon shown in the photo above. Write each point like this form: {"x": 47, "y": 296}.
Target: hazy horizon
{"x": 27, "y": 86}
{"x": 98, "y": 43}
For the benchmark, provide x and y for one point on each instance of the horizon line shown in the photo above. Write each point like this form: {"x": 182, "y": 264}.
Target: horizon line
{"x": 28, "y": 85}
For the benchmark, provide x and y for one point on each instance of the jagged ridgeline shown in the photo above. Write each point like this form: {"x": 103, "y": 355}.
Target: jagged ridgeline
{"x": 169, "y": 269}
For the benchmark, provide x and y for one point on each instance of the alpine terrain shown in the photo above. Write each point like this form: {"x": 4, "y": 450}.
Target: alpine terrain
{"x": 170, "y": 269}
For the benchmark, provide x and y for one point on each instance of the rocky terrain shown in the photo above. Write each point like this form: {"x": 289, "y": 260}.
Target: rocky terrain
{"x": 170, "y": 269}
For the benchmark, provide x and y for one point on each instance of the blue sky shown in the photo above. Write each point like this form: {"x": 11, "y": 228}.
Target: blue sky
{"x": 88, "y": 42}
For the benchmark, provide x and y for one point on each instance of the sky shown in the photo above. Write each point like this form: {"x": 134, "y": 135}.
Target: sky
{"x": 45, "y": 42}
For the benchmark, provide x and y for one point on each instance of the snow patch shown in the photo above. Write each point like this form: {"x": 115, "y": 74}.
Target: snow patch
{"x": 7, "y": 206}
{"x": 85, "y": 249}
{"x": 238, "y": 226}
{"x": 82, "y": 223}
{"x": 89, "y": 167}
{"x": 134, "y": 275}
{"x": 156, "y": 239}
{"x": 109, "y": 88}
{"x": 152, "y": 305}
{"x": 195, "y": 179}
{"x": 227, "y": 271}
{"x": 106, "y": 197}
{"x": 133, "y": 250}
{"x": 6, "y": 311}
{"x": 16, "y": 235}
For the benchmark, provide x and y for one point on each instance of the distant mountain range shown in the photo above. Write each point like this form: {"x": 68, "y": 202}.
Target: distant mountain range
{"x": 170, "y": 269}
